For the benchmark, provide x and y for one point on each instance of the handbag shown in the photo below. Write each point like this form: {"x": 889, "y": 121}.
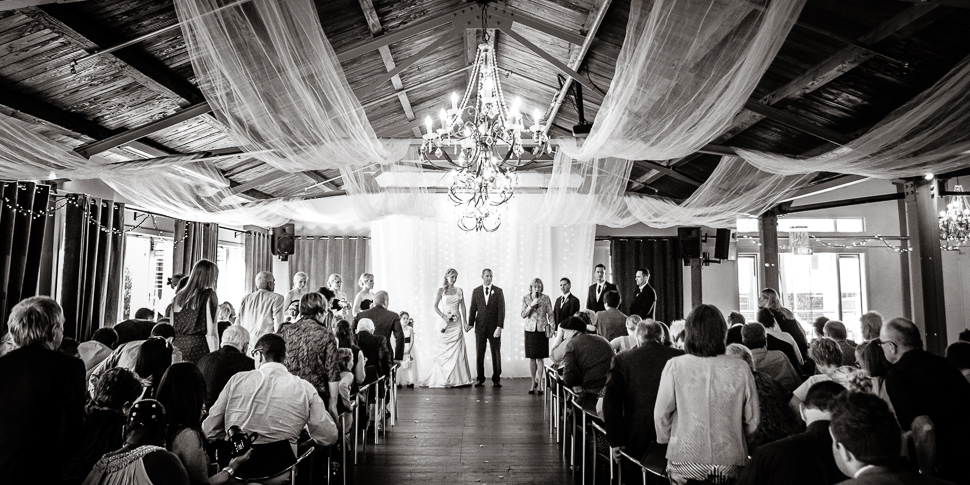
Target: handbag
{"x": 550, "y": 331}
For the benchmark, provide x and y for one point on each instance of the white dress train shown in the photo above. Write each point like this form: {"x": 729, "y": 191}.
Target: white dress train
{"x": 450, "y": 366}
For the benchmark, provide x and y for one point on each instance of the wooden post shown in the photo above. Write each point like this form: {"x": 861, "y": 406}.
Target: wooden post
{"x": 904, "y": 244}
{"x": 768, "y": 233}
{"x": 925, "y": 263}
{"x": 696, "y": 282}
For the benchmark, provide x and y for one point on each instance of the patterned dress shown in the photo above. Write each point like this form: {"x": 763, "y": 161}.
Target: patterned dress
{"x": 311, "y": 353}
{"x": 536, "y": 321}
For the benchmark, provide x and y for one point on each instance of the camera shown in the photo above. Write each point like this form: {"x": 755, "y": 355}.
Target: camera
{"x": 241, "y": 442}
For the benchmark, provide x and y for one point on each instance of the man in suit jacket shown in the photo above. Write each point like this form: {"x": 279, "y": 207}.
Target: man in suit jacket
{"x": 566, "y": 305}
{"x": 598, "y": 290}
{"x": 611, "y": 323}
{"x": 631, "y": 390}
{"x": 645, "y": 302}
{"x": 219, "y": 366}
{"x": 41, "y": 397}
{"x": 386, "y": 323}
{"x": 867, "y": 441}
{"x": 487, "y": 316}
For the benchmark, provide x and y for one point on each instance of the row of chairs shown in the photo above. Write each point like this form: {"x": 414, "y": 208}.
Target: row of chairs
{"x": 578, "y": 430}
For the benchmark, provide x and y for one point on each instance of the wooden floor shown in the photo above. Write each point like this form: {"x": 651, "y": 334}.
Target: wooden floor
{"x": 470, "y": 435}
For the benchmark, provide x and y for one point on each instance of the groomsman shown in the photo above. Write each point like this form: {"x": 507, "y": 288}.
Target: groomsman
{"x": 566, "y": 305}
{"x": 594, "y": 299}
{"x": 645, "y": 302}
{"x": 487, "y": 316}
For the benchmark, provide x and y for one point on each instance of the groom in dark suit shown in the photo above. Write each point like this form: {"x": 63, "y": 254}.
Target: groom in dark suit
{"x": 645, "y": 302}
{"x": 598, "y": 290}
{"x": 566, "y": 305}
{"x": 488, "y": 311}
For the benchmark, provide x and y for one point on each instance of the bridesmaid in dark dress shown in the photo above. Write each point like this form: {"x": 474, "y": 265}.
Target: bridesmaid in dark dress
{"x": 194, "y": 312}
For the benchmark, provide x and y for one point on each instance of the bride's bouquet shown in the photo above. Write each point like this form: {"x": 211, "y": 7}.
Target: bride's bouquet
{"x": 443, "y": 324}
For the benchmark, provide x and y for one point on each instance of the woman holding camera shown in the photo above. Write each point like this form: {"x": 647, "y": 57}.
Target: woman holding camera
{"x": 537, "y": 312}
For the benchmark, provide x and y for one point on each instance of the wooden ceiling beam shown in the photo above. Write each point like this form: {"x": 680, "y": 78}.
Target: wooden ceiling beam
{"x": 142, "y": 131}
{"x": 567, "y": 70}
{"x": 408, "y": 62}
{"x": 669, "y": 172}
{"x": 15, "y": 4}
{"x": 376, "y": 30}
{"x": 20, "y": 102}
{"x": 792, "y": 120}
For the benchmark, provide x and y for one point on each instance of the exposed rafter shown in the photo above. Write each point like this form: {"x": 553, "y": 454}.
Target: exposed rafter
{"x": 15, "y": 4}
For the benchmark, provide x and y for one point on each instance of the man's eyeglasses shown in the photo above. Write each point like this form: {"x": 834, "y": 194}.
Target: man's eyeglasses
{"x": 256, "y": 351}
{"x": 884, "y": 342}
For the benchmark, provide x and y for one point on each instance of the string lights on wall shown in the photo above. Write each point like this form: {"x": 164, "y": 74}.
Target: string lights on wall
{"x": 854, "y": 244}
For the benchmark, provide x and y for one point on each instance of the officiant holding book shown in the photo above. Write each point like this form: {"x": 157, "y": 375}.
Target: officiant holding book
{"x": 487, "y": 316}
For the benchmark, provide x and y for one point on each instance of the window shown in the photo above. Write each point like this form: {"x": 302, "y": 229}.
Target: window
{"x": 828, "y": 284}
{"x": 148, "y": 264}
{"x": 785, "y": 224}
{"x": 748, "y": 285}
{"x": 232, "y": 274}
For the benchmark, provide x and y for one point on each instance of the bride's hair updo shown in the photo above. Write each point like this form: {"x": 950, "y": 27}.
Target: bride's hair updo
{"x": 363, "y": 278}
{"x": 451, "y": 271}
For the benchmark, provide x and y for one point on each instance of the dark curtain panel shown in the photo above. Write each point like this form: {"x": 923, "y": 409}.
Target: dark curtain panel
{"x": 194, "y": 241}
{"x": 661, "y": 256}
{"x": 321, "y": 256}
{"x": 93, "y": 259}
{"x": 258, "y": 256}
{"x": 24, "y": 238}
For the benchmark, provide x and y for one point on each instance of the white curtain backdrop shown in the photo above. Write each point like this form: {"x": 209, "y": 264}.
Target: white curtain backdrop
{"x": 410, "y": 257}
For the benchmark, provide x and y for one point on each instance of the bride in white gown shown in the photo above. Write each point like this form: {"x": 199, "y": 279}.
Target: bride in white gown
{"x": 450, "y": 367}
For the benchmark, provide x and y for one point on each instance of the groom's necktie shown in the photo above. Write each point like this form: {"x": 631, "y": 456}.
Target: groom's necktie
{"x": 599, "y": 290}
{"x": 486, "y": 291}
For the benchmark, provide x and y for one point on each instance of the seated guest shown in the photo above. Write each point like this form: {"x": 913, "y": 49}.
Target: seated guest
{"x": 819, "y": 326}
{"x": 387, "y": 324}
{"x": 631, "y": 390}
{"x": 958, "y": 354}
{"x": 139, "y": 328}
{"x": 104, "y": 419}
{"x": 41, "y": 396}
{"x": 585, "y": 362}
{"x": 922, "y": 384}
{"x": 94, "y": 351}
{"x": 312, "y": 349}
{"x": 630, "y": 340}
{"x": 261, "y": 311}
{"x": 770, "y": 322}
{"x": 835, "y": 330}
{"x": 611, "y": 323}
{"x": 871, "y": 324}
{"x": 346, "y": 340}
{"x": 125, "y": 354}
{"x": 271, "y": 401}
{"x": 588, "y": 317}
{"x": 231, "y": 358}
{"x": 68, "y": 347}
{"x": 378, "y": 360}
{"x": 735, "y": 321}
{"x": 872, "y": 360}
{"x": 154, "y": 358}
{"x": 142, "y": 460}
{"x": 6, "y": 344}
{"x": 828, "y": 362}
{"x": 770, "y": 362}
{"x": 964, "y": 336}
{"x": 805, "y": 458}
{"x": 777, "y": 420}
{"x": 707, "y": 404}
{"x": 345, "y": 361}
{"x": 866, "y": 443}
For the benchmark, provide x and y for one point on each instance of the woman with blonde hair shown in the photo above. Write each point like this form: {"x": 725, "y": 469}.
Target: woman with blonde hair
{"x": 365, "y": 297}
{"x": 340, "y": 305}
{"x": 537, "y": 312}
{"x": 299, "y": 287}
{"x": 450, "y": 366}
{"x": 194, "y": 312}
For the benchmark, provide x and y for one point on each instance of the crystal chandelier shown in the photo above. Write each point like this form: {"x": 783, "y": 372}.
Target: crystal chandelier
{"x": 955, "y": 222}
{"x": 484, "y": 134}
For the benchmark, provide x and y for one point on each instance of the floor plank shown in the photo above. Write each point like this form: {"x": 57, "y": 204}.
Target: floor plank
{"x": 470, "y": 435}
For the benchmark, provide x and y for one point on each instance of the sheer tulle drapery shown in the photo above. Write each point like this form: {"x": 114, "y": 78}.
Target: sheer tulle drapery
{"x": 271, "y": 76}
{"x": 520, "y": 251}
{"x": 685, "y": 69}
{"x": 931, "y": 133}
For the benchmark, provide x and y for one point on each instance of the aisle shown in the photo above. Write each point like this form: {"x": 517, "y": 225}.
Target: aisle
{"x": 470, "y": 435}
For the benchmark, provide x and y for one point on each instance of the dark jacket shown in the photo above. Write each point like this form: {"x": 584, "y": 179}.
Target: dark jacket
{"x": 887, "y": 476}
{"x": 775, "y": 343}
{"x": 768, "y": 318}
{"x": 378, "y": 355}
{"x": 386, "y": 323}
{"x": 41, "y": 414}
{"x": 103, "y": 432}
{"x": 485, "y": 318}
{"x": 803, "y": 459}
{"x": 644, "y": 303}
{"x": 921, "y": 383}
{"x": 594, "y": 303}
{"x": 734, "y": 335}
{"x": 631, "y": 392}
{"x": 562, "y": 310}
{"x": 217, "y": 367}
{"x": 586, "y": 362}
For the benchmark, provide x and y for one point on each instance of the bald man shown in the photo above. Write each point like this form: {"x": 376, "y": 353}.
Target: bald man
{"x": 922, "y": 384}
{"x": 261, "y": 312}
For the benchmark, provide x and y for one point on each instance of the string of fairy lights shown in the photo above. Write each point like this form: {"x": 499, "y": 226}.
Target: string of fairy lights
{"x": 860, "y": 243}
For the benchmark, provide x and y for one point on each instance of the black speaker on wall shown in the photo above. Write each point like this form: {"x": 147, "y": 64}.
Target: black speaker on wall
{"x": 690, "y": 242}
{"x": 282, "y": 241}
{"x": 725, "y": 245}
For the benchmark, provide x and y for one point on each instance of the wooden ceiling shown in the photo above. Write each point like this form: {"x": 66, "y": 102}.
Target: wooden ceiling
{"x": 845, "y": 65}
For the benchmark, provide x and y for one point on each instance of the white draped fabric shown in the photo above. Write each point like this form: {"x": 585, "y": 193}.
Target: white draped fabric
{"x": 931, "y": 133}
{"x": 410, "y": 257}
{"x": 685, "y": 69}
{"x": 272, "y": 78}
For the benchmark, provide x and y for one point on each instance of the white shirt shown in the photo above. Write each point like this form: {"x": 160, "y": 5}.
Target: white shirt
{"x": 260, "y": 312}
{"x": 273, "y": 403}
